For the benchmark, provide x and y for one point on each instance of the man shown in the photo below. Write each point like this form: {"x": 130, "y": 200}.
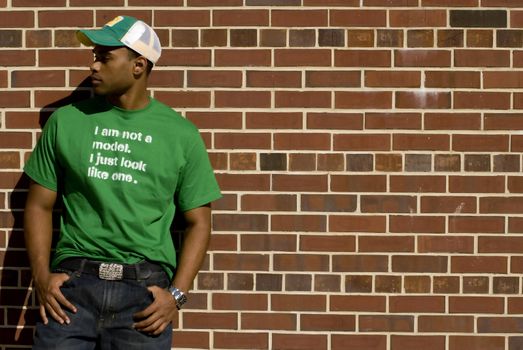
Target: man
{"x": 122, "y": 163}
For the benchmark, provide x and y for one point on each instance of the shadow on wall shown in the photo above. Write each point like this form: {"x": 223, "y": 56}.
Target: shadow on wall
{"x": 17, "y": 300}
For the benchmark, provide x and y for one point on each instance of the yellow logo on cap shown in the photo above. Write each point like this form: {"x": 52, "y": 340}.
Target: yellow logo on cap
{"x": 114, "y": 21}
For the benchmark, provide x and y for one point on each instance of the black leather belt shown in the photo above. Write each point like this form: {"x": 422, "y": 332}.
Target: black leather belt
{"x": 111, "y": 271}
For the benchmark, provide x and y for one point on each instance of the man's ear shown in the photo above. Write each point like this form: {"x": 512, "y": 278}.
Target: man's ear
{"x": 140, "y": 65}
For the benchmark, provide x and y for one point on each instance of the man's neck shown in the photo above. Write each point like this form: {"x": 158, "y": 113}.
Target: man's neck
{"x": 130, "y": 101}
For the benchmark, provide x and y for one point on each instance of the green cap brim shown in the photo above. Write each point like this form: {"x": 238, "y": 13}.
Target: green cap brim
{"x": 92, "y": 37}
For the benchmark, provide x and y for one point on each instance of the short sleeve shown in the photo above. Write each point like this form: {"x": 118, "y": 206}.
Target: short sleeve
{"x": 42, "y": 166}
{"x": 197, "y": 184}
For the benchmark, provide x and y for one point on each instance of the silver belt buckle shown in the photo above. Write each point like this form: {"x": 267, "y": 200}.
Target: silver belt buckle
{"x": 111, "y": 272}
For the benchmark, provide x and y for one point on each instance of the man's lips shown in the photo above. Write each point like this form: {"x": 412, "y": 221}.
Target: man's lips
{"x": 95, "y": 80}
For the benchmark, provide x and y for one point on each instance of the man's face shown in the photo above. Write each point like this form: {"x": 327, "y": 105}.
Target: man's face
{"x": 112, "y": 70}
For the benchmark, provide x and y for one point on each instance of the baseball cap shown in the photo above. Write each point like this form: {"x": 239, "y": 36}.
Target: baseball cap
{"x": 124, "y": 31}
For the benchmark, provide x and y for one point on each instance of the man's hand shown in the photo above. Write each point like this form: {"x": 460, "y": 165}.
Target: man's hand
{"x": 51, "y": 298}
{"x": 157, "y": 316}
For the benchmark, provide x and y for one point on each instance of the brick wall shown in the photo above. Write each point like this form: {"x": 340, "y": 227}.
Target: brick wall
{"x": 368, "y": 150}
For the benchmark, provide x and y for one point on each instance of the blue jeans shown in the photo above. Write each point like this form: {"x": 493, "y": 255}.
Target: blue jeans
{"x": 104, "y": 316}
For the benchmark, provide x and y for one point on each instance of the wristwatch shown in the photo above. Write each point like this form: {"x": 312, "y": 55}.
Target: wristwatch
{"x": 179, "y": 297}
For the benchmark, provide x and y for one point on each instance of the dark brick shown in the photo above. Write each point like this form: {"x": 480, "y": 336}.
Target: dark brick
{"x": 358, "y": 284}
{"x": 214, "y": 37}
{"x": 185, "y": 38}
{"x": 268, "y": 282}
{"x": 509, "y": 38}
{"x": 331, "y": 37}
{"x": 360, "y": 162}
{"x": 66, "y": 38}
{"x": 10, "y": 38}
{"x": 244, "y": 37}
{"x": 294, "y": 282}
{"x": 327, "y": 283}
{"x": 273, "y": 161}
{"x": 478, "y": 18}
{"x": 360, "y": 38}
{"x": 420, "y": 38}
{"x": 240, "y": 281}
{"x": 505, "y": 285}
{"x": 273, "y": 2}
{"x": 447, "y": 162}
{"x": 506, "y": 163}
{"x": 477, "y": 162}
{"x": 450, "y": 38}
{"x": 273, "y": 37}
{"x": 302, "y": 38}
{"x": 389, "y": 38}
{"x": 388, "y": 284}
{"x": 480, "y": 38}
{"x": 418, "y": 162}
{"x": 476, "y": 284}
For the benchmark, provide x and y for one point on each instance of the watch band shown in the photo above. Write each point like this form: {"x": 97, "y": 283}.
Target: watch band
{"x": 179, "y": 297}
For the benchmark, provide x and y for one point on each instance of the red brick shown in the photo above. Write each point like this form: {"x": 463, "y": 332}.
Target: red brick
{"x": 452, "y": 79}
{"x": 243, "y": 222}
{"x": 416, "y": 224}
{"x": 362, "y": 142}
{"x": 452, "y": 121}
{"x": 478, "y": 264}
{"x": 185, "y": 57}
{"x": 17, "y": 58}
{"x": 17, "y": 19}
{"x": 269, "y": 202}
{"x": 299, "y": 223}
{"x": 425, "y": 142}
{"x": 332, "y": 79}
{"x": 358, "y": 18}
{"x": 235, "y": 340}
{"x": 335, "y": 121}
{"x": 292, "y": 183}
{"x": 355, "y": 303}
{"x": 69, "y": 18}
{"x": 386, "y": 323}
{"x": 476, "y": 224}
{"x": 360, "y": 342}
{"x": 41, "y": 78}
{"x": 494, "y": 244}
{"x": 294, "y": 141}
{"x": 323, "y": 3}
{"x": 363, "y": 99}
{"x": 9, "y": 160}
{"x": 155, "y": 2}
{"x": 358, "y": 183}
{"x": 303, "y": 99}
{"x": 476, "y": 305}
{"x": 302, "y": 57}
{"x": 242, "y": 99}
{"x": 241, "y": 262}
{"x": 182, "y": 18}
{"x": 450, "y": 204}
{"x": 64, "y": 58}
{"x": 499, "y": 325}
{"x": 388, "y": 204}
{"x": 477, "y": 184}
{"x": 424, "y": 304}
{"x": 242, "y": 57}
{"x": 476, "y": 343}
{"x": 481, "y": 58}
{"x": 243, "y": 182}
{"x": 481, "y": 100}
{"x": 298, "y": 302}
{"x": 418, "y": 18}
{"x": 200, "y": 78}
{"x": 393, "y": 121}
{"x": 239, "y": 141}
{"x": 184, "y": 99}
{"x": 198, "y": 320}
{"x": 273, "y": 120}
{"x": 269, "y": 321}
{"x": 423, "y": 100}
{"x": 409, "y": 263}
{"x": 416, "y": 342}
{"x": 317, "y": 243}
{"x": 235, "y": 301}
{"x": 15, "y": 99}
{"x": 422, "y": 58}
{"x": 271, "y": 79}
{"x": 446, "y": 324}
{"x": 480, "y": 143}
{"x": 216, "y": 120}
{"x": 439, "y": 244}
{"x": 236, "y": 18}
{"x": 299, "y": 341}
{"x": 450, "y": 3}
{"x": 362, "y": 58}
{"x": 360, "y": 263}
{"x": 405, "y": 79}
{"x": 302, "y": 18}
{"x": 264, "y": 242}
{"x": 206, "y": 3}
{"x": 386, "y": 244}
{"x": 330, "y": 323}
{"x": 402, "y": 183}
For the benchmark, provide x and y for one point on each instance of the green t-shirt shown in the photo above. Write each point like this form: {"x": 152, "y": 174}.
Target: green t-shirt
{"x": 122, "y": 175}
